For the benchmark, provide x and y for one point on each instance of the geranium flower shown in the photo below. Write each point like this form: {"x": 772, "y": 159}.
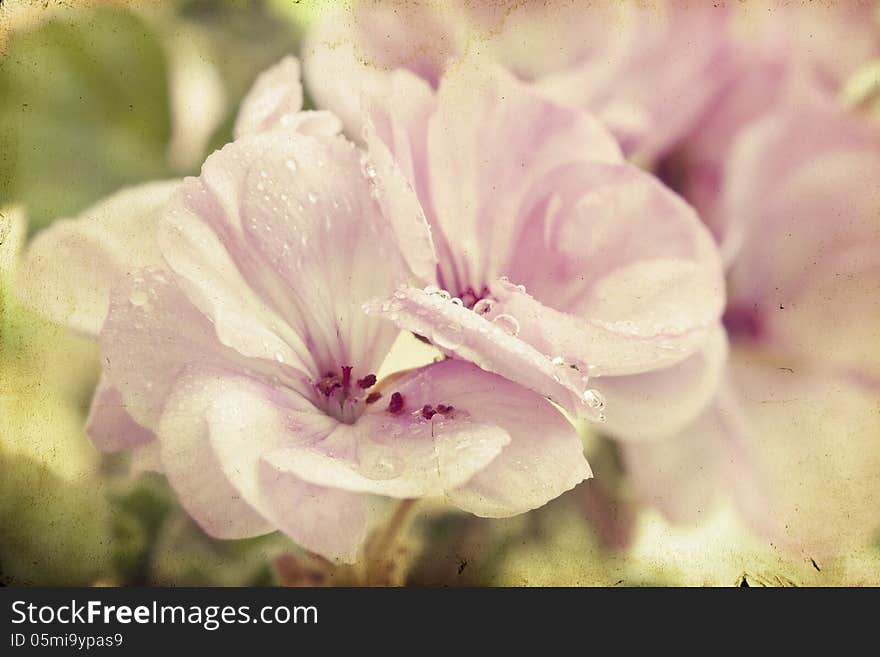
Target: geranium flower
{"x": 552, "y": 262}
{"x": 648, "y": 71}
{"x": 794, "y": 437}
{"x": 246, "y": 359}
{"x": 774, "y": 57}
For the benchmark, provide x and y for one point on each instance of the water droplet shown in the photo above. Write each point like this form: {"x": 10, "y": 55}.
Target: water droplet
{"x": 507, "y": 323}
{"x": 443, "y": 294}
{"x": 594, "y": 399}
{"x": 457, "y": 301}
{"x": 558, "y": 361}
{"x": 451, "y": 337}
{"x": 279, "y": 356}
{"x": 431, "y": 289}
{"x": 484, "y": 306}
{"x": 313, "y": 198}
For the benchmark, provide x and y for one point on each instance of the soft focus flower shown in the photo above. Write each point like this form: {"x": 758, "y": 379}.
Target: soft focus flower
{"x": 775, "y": 53}
{"x": 552, "y": 261}
{"x": 795, "y": 434}
{"x": 648, "y": 71}
{"x": 244, "y": 358}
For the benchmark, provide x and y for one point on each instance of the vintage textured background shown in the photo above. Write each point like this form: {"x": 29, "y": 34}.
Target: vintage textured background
{"x": 98, "y": 95}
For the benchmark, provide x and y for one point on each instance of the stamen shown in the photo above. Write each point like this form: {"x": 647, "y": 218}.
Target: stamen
{"x": 373, "y": 397}
{"x": 428, "y": 412}
{"x": 396, "y": 404}
{"x": 367, "y": 382}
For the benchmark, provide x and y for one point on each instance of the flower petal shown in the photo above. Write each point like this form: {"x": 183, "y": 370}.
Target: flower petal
{"x": 280, "y": 242}
{"x": 276, "y": 94}
{"x": 247, "y": 420}
{"x": 69, "y": 268}
{"x": 192, "y": 468}
{"x": 395, "y": 130}
{"x": 109, "y": 424}
{"x": 491, "y": 345}
{"x": 662, "y": 402}
{"x": 405, "y": 454}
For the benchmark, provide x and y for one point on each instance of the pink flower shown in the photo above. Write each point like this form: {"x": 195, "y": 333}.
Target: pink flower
{"x": 552, "y": 261}
{"x": 794, "y": 437}
{"x": 774, "y": 56}
{"x": 648, "y": 71}
{"x": 244, "y": 358}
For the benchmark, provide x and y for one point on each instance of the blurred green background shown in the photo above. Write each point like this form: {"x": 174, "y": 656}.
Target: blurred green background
{"x": 96, "y": 96}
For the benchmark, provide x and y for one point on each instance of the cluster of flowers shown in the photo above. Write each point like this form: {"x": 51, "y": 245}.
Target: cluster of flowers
{"x": 512, "y": 189}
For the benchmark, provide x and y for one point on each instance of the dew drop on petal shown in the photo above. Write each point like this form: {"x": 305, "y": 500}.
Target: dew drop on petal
{"x": 450, "y": 337}
{"x": 483, "y": 306}
{"x": 431, "y": 289}
{"x": 558, "y": 361}
{"x": 279, "y": 356}
{"x": 507, "y": 323}
{"x": 594, "y": 399}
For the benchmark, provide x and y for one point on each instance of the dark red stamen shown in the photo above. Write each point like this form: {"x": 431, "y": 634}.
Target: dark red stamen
{"x": 428, "y": 412}
{"x": 396, "y": 403}
{"x": 443, "y": 408}
{"x": 346, "y": 376}
{"x": 367, "y": 382}
{"x": 373, "y": 397}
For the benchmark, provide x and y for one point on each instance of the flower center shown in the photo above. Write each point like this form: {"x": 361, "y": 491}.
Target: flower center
{"x": 342, "y": 399}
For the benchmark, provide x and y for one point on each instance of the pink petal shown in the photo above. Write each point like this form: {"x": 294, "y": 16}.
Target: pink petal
{"x": 687, "y": 474}
{"x": 405, "y": 454}
{"x": 153, "y": 334}
{"x": 543, "y": 460}
{"x": 109, "y": 425}
{"x": 246, "y": 421}
{"x": 192, "y": 468}
{"x": 488, "y": 143}
{"x": 659, "y": 403}
{"x": 395, "y": 130}
{"x": 69, "y": 268}
{"x": 275, "y": 96}
{"x": 809, "y": 263}
{"x": 280, "y": 242}
{"x": 490, "y": 345}
{"x": 647, "y": 71}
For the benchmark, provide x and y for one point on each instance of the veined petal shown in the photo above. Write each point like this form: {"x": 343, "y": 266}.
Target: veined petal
{"x": 404, "y": 453}
{"x": 153, "y": 334}
{"x": 280, "y": 242}
{"x": 69, "y": 268}
{"x": 247, "y": 420}
{"x": 395, "y": 131}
